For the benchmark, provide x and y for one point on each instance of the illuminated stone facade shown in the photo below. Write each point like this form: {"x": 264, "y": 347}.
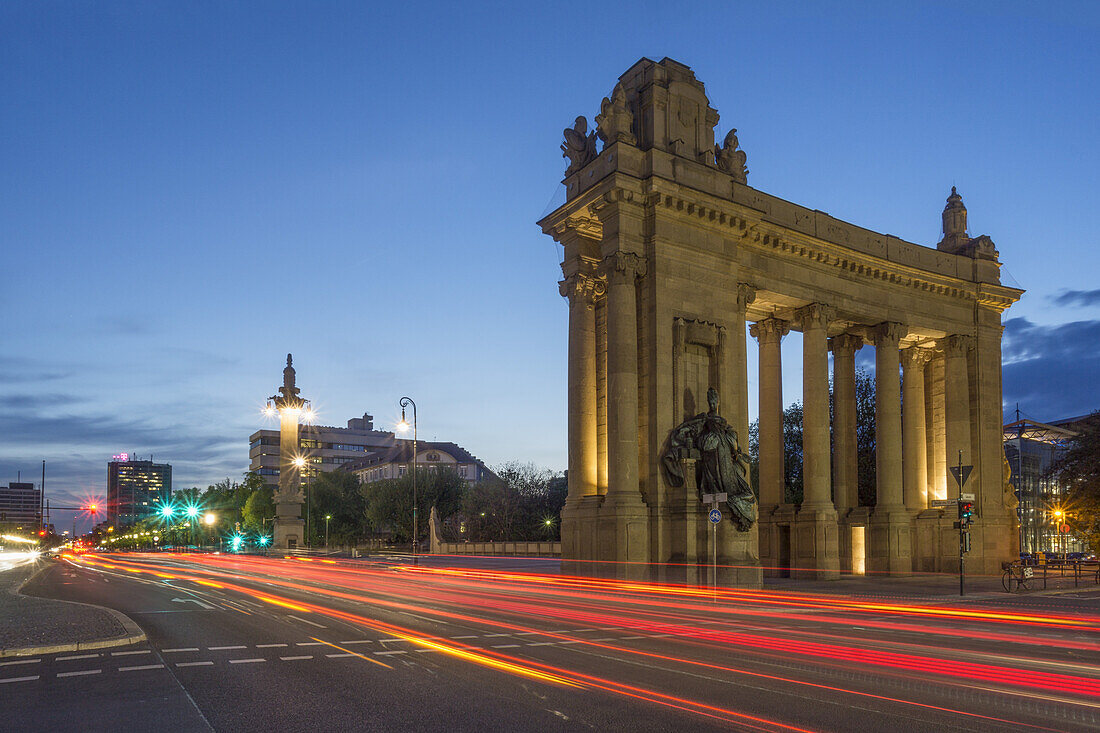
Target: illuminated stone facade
{"x": 668, "y": 256}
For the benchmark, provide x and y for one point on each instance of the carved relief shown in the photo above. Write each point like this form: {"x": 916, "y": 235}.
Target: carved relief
{"x": 888, "y": 333}
{"x": 846, "y": 343}
{"x": 746, "y": 294}
{"x": 813, "y": 316}
{"x": 579, "y": 146}
{"x": 581, "y": 287}
{"x": 731, "y": 159}
{"x": 915, "y": 357}
{"x": 956, "y": 345}
{"x": 623, "y": 265}
{"x": 769, "y": 330}
{"x": 615, "y": 121}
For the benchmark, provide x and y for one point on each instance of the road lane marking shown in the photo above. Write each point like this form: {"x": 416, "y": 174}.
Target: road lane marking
{"x": 396, "y": 651}
{"x": 127, "y": 654}
{"x": 504, "y": 646}
{"x": 309, "y": 643}
{"x": 341, "y": 654}
{"x": 468, "y": 636}
{"x": 490, "y": 636}
{"x": 222, "y": 648}
{"x": 354, "y": 654}
{"x": 185, "y": 649}
{"x": 246, "y": 661}
{"x": 306, "y": 621}
{"x": 358, "y": 641}
{"x": 18, "y": 679}
{"x": 194, "y": 664}
{"x": 268, "y": 646}
{"x": 628, "y": 638}
{"x": 21, "y": 661}
{"x": 293, "y": 659}
{"x": 143, "y": 666}
{"x": 81, "y": 672}
{"x": 542, "y": 643}
{"x": 78, "y": 656}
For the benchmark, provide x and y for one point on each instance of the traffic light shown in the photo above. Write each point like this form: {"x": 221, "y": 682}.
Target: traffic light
{"x": 966, "y": 512}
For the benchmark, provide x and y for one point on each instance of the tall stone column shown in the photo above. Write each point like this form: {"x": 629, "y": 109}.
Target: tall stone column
{"x": 914, "y": 440}
{"x": 769, "y": 334}
{"x": 737, "y": 369}
{"x": 957, "y": 405}
{"x": 845, "y": 453}
{"x": 624, "y": 508}
{"x": 890, "y": 544}
{"x": 818, "y": 543}
{"x": 582, "y": 291}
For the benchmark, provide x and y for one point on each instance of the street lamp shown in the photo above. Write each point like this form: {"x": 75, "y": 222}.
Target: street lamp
{"x": 403, "y": 426}
{"x": 327, "y": 518}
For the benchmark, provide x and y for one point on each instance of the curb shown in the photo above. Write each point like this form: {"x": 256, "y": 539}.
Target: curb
{"x": 133, "y": 635}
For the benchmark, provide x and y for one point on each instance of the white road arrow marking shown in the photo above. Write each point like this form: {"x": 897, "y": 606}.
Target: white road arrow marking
{"x": 193, "y": 600}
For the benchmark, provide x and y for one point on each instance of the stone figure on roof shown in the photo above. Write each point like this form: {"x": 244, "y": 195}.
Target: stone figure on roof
{"x": 721, "y": 467}
{"x": 731, "y": 159}
{"x": 579, "y": 146}
{"x": 615, "y": 120}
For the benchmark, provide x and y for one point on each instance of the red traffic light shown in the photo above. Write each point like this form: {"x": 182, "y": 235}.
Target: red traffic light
{"x": 41, "y": 533}
{"x": 92, "y": 508}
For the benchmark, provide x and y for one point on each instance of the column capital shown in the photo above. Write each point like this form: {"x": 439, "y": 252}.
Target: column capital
{"x": 888, "y": 333}
{"x": 915, "y": 357}
{"x": 625, "y": 266}
{"x": 846, "y": 344}
{"x": 769, "y": 330}
{"x": 814, "y": 315}
{"x": 582, "y": 288}
{"x": 746, "y": 294}
{"x": 956, "y": 345}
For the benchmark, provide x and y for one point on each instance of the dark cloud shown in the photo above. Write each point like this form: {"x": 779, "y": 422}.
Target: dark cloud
{"x": 37, "y": 401}
{"x": 20, "y": 370}
{"x": 1051, "y": 371}
{"x": 1077, "y": 297}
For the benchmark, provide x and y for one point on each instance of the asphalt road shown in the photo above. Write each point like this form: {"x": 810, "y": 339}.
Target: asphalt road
{"x": 244, "y": 643}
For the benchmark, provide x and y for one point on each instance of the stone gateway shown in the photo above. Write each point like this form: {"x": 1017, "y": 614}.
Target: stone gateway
{"x": 669, "y": 255}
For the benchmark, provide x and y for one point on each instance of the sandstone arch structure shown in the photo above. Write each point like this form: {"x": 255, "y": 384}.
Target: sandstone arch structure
{"x": 668, "y": 256}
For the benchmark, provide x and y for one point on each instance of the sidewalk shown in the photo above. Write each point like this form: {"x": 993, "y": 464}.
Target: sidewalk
{"x": 30, "y": 625}
{"x": 941, "y": 587}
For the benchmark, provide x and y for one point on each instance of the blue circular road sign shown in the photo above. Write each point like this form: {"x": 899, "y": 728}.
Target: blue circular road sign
{"x": 715, "y": 516}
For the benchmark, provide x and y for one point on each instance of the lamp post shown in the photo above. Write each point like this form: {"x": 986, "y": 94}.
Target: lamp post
{"x": 404, "y": 425}
{"x": 327, "y": 518}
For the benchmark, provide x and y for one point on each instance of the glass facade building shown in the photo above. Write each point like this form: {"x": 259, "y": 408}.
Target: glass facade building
{"x": 1031, "y": 448}
{"x": 135, "y": 490}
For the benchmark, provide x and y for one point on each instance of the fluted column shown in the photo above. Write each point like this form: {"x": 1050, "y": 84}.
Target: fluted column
{"x": 769, "y": 334}
{"x": 582, "y": 291}
{"x": 816, "y": 463}
{"x": 957, "y": 405}
{"x": 888, "y": 468}
{"x": 622, "y": 269}
{"x": 914, "y": 431}
{"x": 845, "y": 449}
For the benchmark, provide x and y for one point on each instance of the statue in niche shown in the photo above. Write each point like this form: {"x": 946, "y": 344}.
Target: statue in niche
{"x": 579, "y": 146}
{"x": 615, "y": 120}
{"x": 731, "y": 159}
{"x": 721, "y": 467}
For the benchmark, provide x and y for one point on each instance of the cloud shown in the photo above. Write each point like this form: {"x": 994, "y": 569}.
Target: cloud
{"x": 1051, "y": 371}
{"x": 1077, "y": 297}
{"x": 18, "y": 369}
{"x": 24, "y": 402}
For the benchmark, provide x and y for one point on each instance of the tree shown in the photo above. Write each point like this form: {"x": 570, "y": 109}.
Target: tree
{"x": 1079, "y": 470}
{"x": 259, "y": 509}
{"x": 865, "y": 437}
{"x": 522, "y": 504}
{"x": 792, "y": 453}
{"x": 337, "y": 494}
{"x": 389, "y": 502}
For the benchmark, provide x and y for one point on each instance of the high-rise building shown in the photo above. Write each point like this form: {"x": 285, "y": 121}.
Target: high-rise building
{"x": 20, "y": 506}
{"x": 136, "y": 489}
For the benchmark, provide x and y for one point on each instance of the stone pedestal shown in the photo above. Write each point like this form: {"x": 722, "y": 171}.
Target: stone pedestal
{"x": 890, "y": 544}
{"x": 816, "y": 542}
{"x": 289, "y": 528}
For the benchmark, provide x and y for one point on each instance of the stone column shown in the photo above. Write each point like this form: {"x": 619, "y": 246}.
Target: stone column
{"x": 818, "y": 544}
{"x": 815, "y": 408}
{"x": 625, "y": 512}
{"x": 769, "y": 333}
{"x": 914, "y": 439}
{"x": 845, "y": 455}
{"x": 582, "y": 290}
{"x": 737, "y": 371}
{"x": 956, "y": 405}
{"x": 890, "y": 544}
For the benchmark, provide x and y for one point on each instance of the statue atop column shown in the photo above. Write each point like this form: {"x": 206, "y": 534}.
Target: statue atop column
{"x": 579, "y": 146}
{"x": 721, "y": 468}
{"x": 731, "y": 159}
{"x": 288, "y": 393}
{"x": 288, "y": 497}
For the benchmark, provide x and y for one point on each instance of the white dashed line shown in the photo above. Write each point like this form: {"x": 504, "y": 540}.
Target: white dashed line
{"x": 504, "y": 646}
{"x": 18, "y": 679}
{"x": 128, "y": 654}
{"x": 628, "y": 638}
{"x": 222, "y": 648}
{"x": 78, "y": 656}
{"x": 81, "y": 672}
{"x": 490, "y": 636}
{"x": 186, "y": 649}
{"x": 306, "y": 621}
{"x": 268, "y": 646}
{"x": 358, "y": 641}
{"x": 144, "y": 666}
{"x": 390, "y": 652}
{"x": 294, "y": 659}
{"x": 470, "y": 636}
{"x": 345, "y": 654}
{"x": 246, "y": 661}
{"x": 309, "y": 643}
{"x": 21, "y": 661}
{"x": 542, "y": 643}
{"x": 194, "y": 664}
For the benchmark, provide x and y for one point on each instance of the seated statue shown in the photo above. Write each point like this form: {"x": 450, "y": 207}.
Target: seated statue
{"x": 721, "y": 466}
{"x": 579, "y": 146}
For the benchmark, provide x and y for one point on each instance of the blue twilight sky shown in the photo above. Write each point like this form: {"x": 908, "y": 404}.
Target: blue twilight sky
{"x": 189, "y": 191}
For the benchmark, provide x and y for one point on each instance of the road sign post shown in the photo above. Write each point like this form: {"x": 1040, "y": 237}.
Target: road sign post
{"x": 715, "y": 517}
{"x": 965, "y": 504}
